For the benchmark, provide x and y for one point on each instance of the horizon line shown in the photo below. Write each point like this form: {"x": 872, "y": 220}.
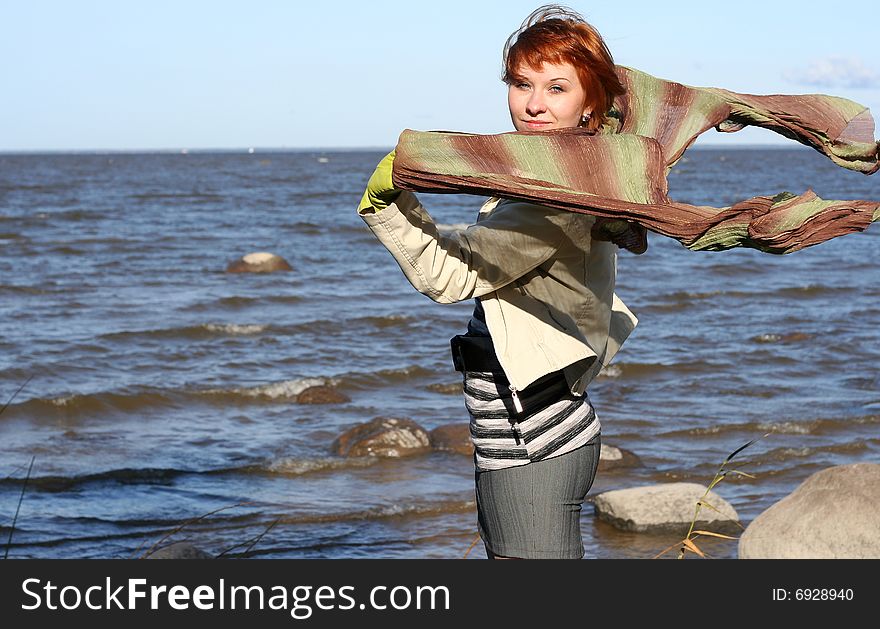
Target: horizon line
{"x": 324, "y": 149}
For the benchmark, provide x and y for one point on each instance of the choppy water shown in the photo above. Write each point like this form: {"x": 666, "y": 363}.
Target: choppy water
{"x": 163, "y": 388}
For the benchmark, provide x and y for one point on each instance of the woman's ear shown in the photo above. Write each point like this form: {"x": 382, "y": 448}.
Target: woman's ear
{"x": 585, "y": 118}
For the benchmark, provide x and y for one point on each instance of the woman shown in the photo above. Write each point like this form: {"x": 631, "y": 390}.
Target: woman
{"x": 546, "y": 318}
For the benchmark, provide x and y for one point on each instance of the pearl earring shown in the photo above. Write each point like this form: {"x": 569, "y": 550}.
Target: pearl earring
{"x": 585, "y": 119}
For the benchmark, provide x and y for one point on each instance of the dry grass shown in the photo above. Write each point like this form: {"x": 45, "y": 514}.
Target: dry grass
{"x": 248, "y": 543}
{"x": 688, "y": 544}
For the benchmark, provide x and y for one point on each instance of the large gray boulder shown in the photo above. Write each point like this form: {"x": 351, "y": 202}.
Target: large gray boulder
{"x": 383, "y": 436}
{"x": 833, "y": 514}
{"x": 666, "y": 508}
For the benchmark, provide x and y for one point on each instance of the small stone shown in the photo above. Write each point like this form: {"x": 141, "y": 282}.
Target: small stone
{"x": 383, "y": 436}
{"x": 612, "y": 457}
{"x": 321, "y": 394}
{"x": 259, "y": 262}
{"x": 179, "y": 550}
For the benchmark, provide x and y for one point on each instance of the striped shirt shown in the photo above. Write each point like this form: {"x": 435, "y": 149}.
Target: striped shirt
{"x": 552, "y": 422}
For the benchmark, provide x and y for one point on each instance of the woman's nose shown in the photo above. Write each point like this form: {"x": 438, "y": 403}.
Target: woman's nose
{"x": 535, "y": 105}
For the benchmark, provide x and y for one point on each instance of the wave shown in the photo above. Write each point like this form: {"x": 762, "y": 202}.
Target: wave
{"x": 611, "y": 371}
{"x": 682, "y": 299}
{"x": 125, "y": 476}
{"x": 446, "y": 388}
{"x": 386, "y": 321}
{"x": 410, "y": 509}
{"x": 205, "y": 330}
{"x": 788, "y": 337}
{"x": 209, "y": 330}
{"x": 284, "y": 390}
{"x": 89, "y": 405}
{"x": 384, "y": 377}
{"x": 24, "y": 290}
{"x": 237, "y": 302}
{"x": 712, "y": 294}
{"x": 641, "y": 370}
{"x": 288, "y": 466}
{"x": 197, "y": 197}
{"x": 297, "y": 467}
{"x": 109, "y": 240}
{"x": 816, "y": 426}
{"x": 67, "y": 250}
{"x": 234, "y": 328}
{"x": 73, "y": 216}
{"x": 48, "y": 188}
{"x": 810, "y": 290}
{"x": 788, "y": 453}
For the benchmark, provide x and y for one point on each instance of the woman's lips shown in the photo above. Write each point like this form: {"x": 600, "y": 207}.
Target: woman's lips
{"x": 536, "y": 124}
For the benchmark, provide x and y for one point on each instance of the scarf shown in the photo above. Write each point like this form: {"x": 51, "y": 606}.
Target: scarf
{"x": 620, "y": 172}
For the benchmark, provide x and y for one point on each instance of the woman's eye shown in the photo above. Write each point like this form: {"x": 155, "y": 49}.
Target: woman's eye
{"x": 556, "y": 89}
{"x": 523, "y": 86}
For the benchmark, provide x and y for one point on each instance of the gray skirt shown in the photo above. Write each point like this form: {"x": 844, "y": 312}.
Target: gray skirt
{"x": 533, "y": 511}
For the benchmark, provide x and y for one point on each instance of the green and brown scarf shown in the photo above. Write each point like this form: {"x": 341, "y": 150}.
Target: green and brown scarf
{"x": 620, "y": 173}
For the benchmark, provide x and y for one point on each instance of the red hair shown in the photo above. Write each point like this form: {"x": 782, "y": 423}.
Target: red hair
{"x": 557, "y": 35}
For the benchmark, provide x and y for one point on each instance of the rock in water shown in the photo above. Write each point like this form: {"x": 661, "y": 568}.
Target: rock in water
{"x": 833, "y": 514}
{"x": 259, "y": 262}
{"x": 383, "y": 436}
{"x": 667, "y": 508}
{"x": 612, "y": 457}
{"x": 321, "y": 394}
{"x": 179, "y": 550}
{"x": 453, "y": 438}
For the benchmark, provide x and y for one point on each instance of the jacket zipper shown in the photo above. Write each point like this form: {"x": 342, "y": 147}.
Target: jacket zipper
{"x": 517, "y": 404}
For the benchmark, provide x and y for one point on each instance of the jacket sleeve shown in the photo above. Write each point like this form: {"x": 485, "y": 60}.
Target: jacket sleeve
{"x": 453, "y": 266}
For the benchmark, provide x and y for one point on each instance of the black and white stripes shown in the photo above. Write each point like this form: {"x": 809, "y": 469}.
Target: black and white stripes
{"x": 553, "y": 421}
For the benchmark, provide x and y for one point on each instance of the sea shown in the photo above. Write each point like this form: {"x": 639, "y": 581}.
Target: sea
{"x": 151, "y": 397}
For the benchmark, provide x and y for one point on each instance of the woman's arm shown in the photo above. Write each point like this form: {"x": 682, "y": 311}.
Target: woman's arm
{"x": 450, "y": 267}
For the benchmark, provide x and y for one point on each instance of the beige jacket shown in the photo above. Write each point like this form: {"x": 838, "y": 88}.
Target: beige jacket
{"x": 546, "y": 286}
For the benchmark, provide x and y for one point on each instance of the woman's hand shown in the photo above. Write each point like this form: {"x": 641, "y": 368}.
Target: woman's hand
{"x": 630, "y": 236}
{"x": 380, "y": 192}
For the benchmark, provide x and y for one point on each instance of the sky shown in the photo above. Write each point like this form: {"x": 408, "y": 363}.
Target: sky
{"x": 157, "y": 75}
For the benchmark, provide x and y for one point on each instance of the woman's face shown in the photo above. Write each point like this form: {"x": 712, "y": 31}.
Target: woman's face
{"x": 551, "y": 97}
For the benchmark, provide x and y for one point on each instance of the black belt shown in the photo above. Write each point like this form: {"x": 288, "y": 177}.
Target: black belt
{"x": 474, "y": 353}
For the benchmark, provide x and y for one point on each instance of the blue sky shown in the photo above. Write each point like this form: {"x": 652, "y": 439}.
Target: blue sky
{"x": 130, "y": 75}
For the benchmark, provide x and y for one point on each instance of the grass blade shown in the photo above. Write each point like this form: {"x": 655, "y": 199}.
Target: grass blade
{"x": 20, "y": 498}
{"x": 741, "y": 448}
{"x": 714, "y": 534}
{"x": 742, "y": 473}
{"x": 179, "y": 528}
{"x": 707, "y": 504}
{"x": 17, "y": 391}
{"x": 689, "y": 545}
